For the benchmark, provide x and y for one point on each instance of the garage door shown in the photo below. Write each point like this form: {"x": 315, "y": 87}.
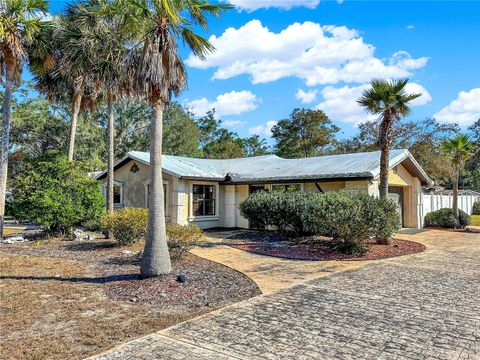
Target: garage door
{"x": 395, "y": 193}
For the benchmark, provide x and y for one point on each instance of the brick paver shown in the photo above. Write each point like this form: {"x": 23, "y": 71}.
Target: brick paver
{"x": 424, "y": 306}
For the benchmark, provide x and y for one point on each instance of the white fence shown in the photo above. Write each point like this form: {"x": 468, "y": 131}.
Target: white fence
{"x": 435, "y": 202}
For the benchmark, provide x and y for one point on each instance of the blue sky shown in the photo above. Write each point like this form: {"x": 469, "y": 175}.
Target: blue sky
{"x": 306, "y": 53}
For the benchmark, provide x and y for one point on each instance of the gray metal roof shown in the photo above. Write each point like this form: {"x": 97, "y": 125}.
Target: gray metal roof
{"x": 274, "y": 168}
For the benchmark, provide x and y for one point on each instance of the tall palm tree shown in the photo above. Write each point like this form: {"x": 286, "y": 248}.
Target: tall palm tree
{"x": 20, "y": 22}
{"x": 389, "y": 100}
{"x": 105, "y": 41}
{"x": 458, "y": 150}
{"x": 159, "y": 73}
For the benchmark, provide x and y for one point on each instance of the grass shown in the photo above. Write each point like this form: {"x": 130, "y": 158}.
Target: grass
{"x": 476, "y": 220}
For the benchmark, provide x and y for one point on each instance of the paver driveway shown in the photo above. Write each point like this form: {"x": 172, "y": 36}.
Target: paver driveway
{"x": 423, "y": 306}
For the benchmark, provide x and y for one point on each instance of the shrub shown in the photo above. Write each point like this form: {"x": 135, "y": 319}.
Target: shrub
{"x": 476, "y": 208}
{"x": 340, "y": 215}
{"x": 127, "y": 225}
{"x": 280, "y": 210}
{"x": 57, "y": 195}
{"x": 444, "y": 218}
{"x": 381, "y": 216}
{"x": 182, "y": 238}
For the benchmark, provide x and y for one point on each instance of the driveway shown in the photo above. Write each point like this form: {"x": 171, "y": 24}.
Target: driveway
{"x": 422, "y": 306}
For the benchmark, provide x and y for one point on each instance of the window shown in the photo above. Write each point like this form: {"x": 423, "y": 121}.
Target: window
{"x": 286, "y": 187}
{"x": 117, "y": 194}
{"x": 203, "y": 200}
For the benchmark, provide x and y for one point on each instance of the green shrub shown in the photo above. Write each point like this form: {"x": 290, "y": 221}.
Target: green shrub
{"x": 57, "y": 195}
{"x": 381, "y": 216}
{"x": 340, "y": 215}
{"x": 444, "y": 218}
{"x": 182, "y": 238}
{"x": 279, "y": 210}
{"x": 476, "y": 208}
{"x": 127, "y": 225}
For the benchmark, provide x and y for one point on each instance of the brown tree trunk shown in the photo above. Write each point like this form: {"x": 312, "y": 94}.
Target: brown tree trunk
{"x": 156, "y": 257}
{"x": 456, "y": 176}
{"x": 111, "y": 155}
{"x": 77, "y": 100}
{"x": 6, "y": 124}
{"x": 384, "y": 165}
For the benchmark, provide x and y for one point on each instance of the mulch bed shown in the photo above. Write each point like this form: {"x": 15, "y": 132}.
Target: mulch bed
{"x": 315, "y": 248}
{"x": 208, "y": 284}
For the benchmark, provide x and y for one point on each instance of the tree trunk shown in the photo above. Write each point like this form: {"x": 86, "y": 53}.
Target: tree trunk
{"x": 456, "y": 176}
{"x": 77, "y": 100}
{"x": 156, "y": 258}
{"x": 384, "y": 159}
{"x": 111, "y": 155}
{"x": 7, "y": 104}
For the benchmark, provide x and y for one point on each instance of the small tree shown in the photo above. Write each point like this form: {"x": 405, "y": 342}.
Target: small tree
{"x": 58, "y": 195}
{"x": 458, "y": 150}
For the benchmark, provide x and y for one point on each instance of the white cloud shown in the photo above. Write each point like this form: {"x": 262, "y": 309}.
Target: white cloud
{"x": 306, "y": 96}
{"x": 265, "y": 130}
{"x": 410, "y": 27}
{"x": 233, "y": 123}
{"x": 340, "y": 104}
{"x": 464, "y": 110}
{"x": 231, "y": 103}
{"x": 317, "y": 54}
{"x": 252, "y": 5}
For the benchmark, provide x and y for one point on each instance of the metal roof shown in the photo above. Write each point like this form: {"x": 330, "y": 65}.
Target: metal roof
{"x": 274, "y": 168}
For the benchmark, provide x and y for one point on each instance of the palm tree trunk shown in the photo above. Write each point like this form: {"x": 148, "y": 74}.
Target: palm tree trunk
{"x": 384, "y": 158}
{"x": 156, "y": 258}
{"x": 111, "y": 155}
{"x": 7, "y": 105}
{"x": 77, "y": 99}
{"x": 456, "y": 176}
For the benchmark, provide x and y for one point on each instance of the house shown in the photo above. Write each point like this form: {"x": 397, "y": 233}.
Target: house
{"x": 207, "y": 192}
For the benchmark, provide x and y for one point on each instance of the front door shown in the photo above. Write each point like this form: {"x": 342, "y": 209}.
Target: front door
{"x": 395, "y": 193}
{"x": 253, "y": 189}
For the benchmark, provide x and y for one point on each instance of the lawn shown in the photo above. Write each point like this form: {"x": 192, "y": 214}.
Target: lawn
{"x": 69, "y": 300}
{"x": 476, "y": 220}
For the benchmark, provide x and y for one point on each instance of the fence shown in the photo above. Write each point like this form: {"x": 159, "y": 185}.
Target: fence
{"x": 433, "y": 202}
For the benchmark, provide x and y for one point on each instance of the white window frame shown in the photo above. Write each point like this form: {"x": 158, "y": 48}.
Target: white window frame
{"x": 216, "y": 216}
{"x": 122, "y": 188}
{"x": 146, "y": 183}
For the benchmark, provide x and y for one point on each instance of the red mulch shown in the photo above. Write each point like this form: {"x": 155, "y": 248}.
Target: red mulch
{"x": 316, "y": 248}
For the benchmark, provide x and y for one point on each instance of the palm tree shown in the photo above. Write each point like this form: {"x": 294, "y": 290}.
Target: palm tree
{"x": 389, "y": 100}
{"x": 20, "y": 22}
{"x": 458, "y": 150}
{"x": 105, "y": 41}
{"x": 159, "y": 73}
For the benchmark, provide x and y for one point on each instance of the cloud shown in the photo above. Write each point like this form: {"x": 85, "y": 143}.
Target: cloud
{"x": 319, "y": 55}
{"x": 410, "y": 27}
{"x": 231, "y": 103}
{"x": 340, "y": 104}
{"x": 233, "y": 123}
{"x": 464, "y": 110}
{"x": 306, "y": 96}
{"x": 252, "y": 5}
{"x": 265, "y": 130}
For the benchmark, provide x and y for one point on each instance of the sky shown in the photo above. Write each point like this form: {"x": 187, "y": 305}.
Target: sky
{"x": 276, "y": 55}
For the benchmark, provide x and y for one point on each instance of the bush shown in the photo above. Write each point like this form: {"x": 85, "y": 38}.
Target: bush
{"x": 57, "y": 195}
{"x": 182, "y": 238}
{"x": 279, "y": 210}
{"x": 127, "y": 225}
{"x": 444, "y": 218}
{"x": 476, "y": 208}
{"x": 381, "y": 216}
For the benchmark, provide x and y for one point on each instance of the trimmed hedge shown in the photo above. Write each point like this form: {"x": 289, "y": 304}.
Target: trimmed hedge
{"x": 349, "y": 219}
{"x": 476, "y": 208}
{"x": 444, "y": 218}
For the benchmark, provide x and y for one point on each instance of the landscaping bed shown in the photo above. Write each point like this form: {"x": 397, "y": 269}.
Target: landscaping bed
{"x": 314, "y": 248}
{"x": 72, "y": 299}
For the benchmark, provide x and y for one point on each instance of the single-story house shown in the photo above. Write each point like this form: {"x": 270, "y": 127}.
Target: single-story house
{"x": 207, "y": 192}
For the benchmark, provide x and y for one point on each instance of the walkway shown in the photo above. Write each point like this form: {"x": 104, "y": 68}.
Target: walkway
{"x": 422, "y": 306}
